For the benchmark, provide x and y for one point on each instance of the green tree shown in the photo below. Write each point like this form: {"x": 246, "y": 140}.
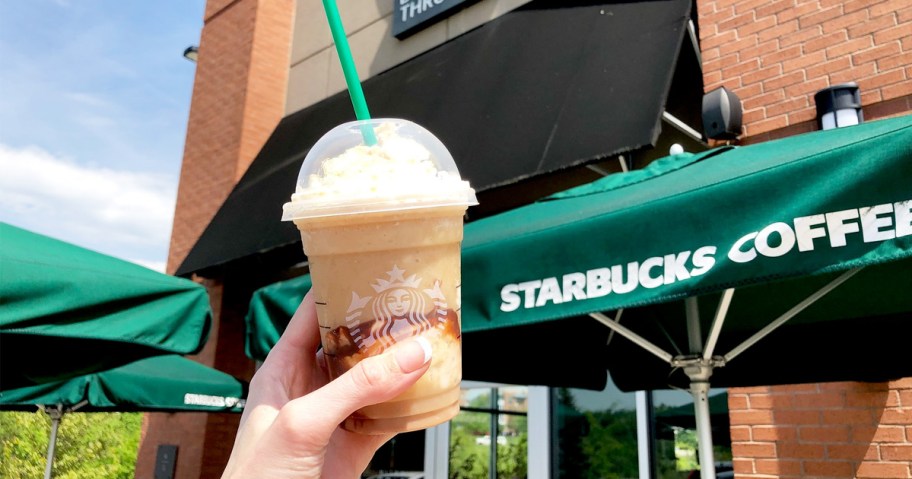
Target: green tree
{"x": 89, "y": 445}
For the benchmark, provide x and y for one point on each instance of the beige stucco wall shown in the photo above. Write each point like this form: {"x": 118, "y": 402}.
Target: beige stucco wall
{"x": 315, "y": 73}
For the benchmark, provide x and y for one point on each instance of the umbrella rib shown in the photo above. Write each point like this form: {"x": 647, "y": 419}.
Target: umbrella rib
{"x": 716, "y": 328}
{"x": 636, "y": 338}
{"x": 790, "y": 314}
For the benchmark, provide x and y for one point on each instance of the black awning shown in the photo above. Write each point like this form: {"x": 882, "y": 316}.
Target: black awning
{"x": 551, "y": 85}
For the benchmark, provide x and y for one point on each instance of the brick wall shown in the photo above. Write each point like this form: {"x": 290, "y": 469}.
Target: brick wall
{"x": 238, "y": 98}
{"x": 775, "y": 54}
{"x": 832, "y": 430}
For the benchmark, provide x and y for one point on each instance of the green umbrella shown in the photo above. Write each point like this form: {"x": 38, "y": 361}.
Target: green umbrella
{"x": 168, "y": 383}
{"x": 665, "y": 249}
{"x": 68, "y": 311}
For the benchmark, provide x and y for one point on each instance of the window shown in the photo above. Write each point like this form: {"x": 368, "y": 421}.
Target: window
{"x": 488, "y": 438}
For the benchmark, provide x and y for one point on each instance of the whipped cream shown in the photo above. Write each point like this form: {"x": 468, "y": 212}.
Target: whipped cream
{"x": 397, "y": 172}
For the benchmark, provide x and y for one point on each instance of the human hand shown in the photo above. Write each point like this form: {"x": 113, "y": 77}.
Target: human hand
{"x": 290, "y": 426}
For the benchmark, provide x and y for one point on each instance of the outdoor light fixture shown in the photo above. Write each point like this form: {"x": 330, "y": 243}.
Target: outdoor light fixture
{"x": 191, "y": 53}
{"x": 721, "y": 114}
{"x": 838, "y": 106}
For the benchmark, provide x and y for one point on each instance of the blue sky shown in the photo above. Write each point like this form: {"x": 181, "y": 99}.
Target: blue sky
{"x": 94, "y": 100}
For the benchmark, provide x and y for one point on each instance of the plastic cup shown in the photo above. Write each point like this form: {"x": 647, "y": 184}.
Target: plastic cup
{"x": 381, "y": 226}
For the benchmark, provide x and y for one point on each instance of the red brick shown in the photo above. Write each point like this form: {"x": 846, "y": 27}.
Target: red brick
{"x": 869, "y": 97}
{"x": 842, "y": 22}
{"x": 710, "y": 77}
{"x": 720, "y": 63}
{"x": 795, "y": 388}
{"x": 781, "y": 55}
{"x": 851, "y": 46}
{"x": 736, "y": 21}
{"x": 768, "y": 125}
{"x": 800, "y": 37}
{"x": 811, "y": 85}
{"x": 824, "y": 400}
{"x": 737, "y": 46}
{"x": 819, "y": 17}
{"x": 852, "y": 452}
{"x": 888, "y": 7}
{"x": 904, "y": 15}
{"x": 750, "y": 390}
{"x": 710, "y": 54}
{"x": 781, "y": 30}
{"x": 867, "y": 399}
{"x": 827, "y": 40}
{"x": 803, "y": 61}
{"x": 756, "y": 26}
{"x": 895, "y": 91}
{"x": 797, "y": 417}
{"x": 905, "y": 397}
{"x": 748, "y": 5}
{"x": 872, "y": 25}
{"x": 898, "y": 416}
{"x": 783, "y": 81}
{"x": 762, "y": 74}
{"x": 737, "y": 401}
{"x": 848, "y": 416}
{"x": 883, "y": 36}
{"x": 760, "y": 49}
{"x": 738, "y": 418}
{"x": 762, "y": 401}
{"x": 799, "y": 451}
{"x": 770, "y": 8}
{"x": 753, "y": 449}
{"x": 759, "y": 101}
{"x": 870, "y": 434}
{"x": 720, "y": 39}
{"x": 777, "y": 467}
{"x": 741, "y": 68}
{"x": 743, "y": 465}
{"x": 795, "y": 104}
{"x": 852, "y": 5}
{"x": 740, "y": 433}
{"x": 853, "y": 74}
{"x": 882, "y": 470}
{"x": 748, "y": 91}
{"x": 797, "y": 11}
{"x": 774, "y": 433}
{"x": 748, "y": 117}
{"x": 896, "y": 452}
{"x": 905, "y": 383}
{"x": 804, "y": 114}
{"x": 829, "y": 468}
{"x": 823, "y": 434}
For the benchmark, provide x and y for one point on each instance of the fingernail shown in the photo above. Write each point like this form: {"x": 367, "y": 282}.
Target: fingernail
{"x": 414, "y": 354}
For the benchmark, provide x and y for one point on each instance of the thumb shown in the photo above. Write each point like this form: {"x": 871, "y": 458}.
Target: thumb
{"x": 373, "y": 380}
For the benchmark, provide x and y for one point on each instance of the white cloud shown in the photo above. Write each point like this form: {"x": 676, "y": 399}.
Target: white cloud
{"x": 123, "y": 213}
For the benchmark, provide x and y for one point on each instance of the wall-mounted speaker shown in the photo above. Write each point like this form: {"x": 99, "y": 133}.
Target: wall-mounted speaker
{"x": 721, "y": 114}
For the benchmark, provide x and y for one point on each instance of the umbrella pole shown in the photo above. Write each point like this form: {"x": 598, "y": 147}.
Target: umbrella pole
{"x": 700, "y": 390}
{"x": 55, "y": 413}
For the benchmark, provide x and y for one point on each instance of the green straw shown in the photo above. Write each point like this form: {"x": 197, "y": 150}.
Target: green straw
{"x": 348, "y": 69}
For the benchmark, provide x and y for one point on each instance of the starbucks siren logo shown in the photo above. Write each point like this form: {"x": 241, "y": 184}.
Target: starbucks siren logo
{"x": 399, "y": 310}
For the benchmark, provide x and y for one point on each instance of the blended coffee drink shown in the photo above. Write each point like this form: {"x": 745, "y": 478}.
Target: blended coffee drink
{"x": 381, "y": 226}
